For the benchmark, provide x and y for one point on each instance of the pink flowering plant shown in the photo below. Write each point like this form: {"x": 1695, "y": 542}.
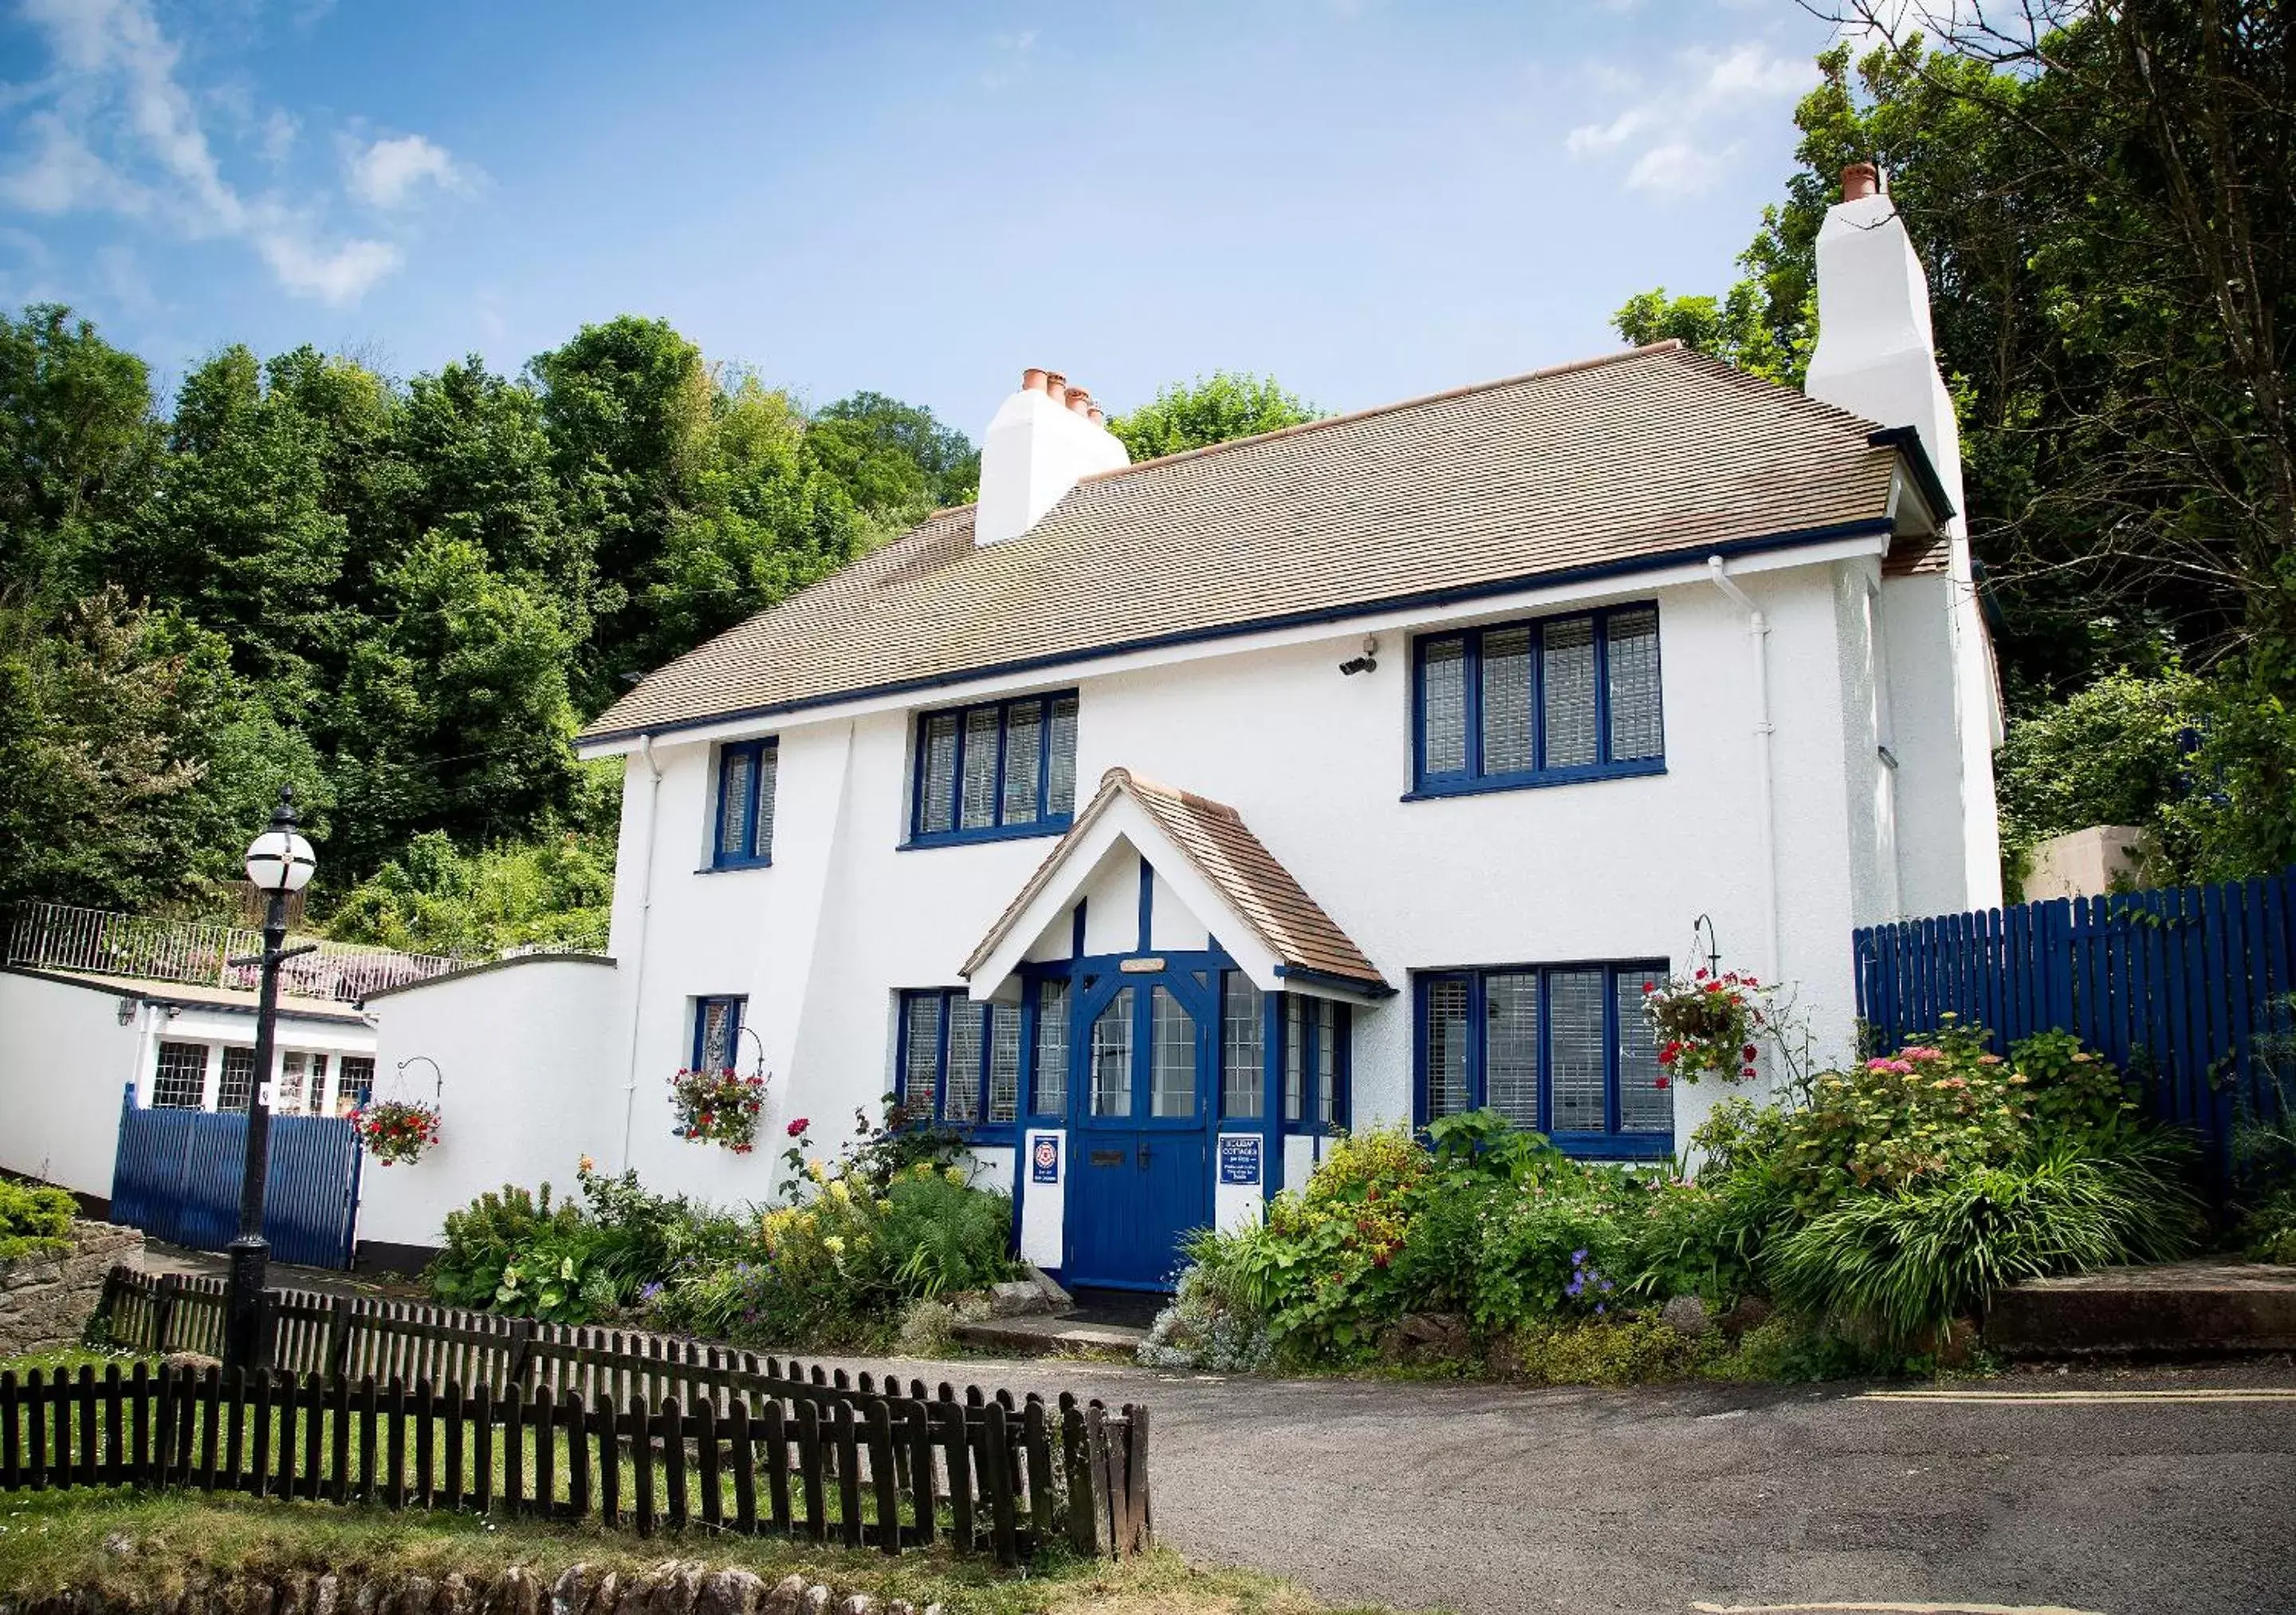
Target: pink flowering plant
{"x": 718, "y": 1105}
{"x": 1707, "y": 1024}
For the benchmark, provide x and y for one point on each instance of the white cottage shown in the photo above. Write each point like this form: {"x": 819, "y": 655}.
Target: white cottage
{"x": 1149, "y": 822}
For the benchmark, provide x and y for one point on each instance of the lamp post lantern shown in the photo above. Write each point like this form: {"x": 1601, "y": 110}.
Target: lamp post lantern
{"x": 280, "y": 862}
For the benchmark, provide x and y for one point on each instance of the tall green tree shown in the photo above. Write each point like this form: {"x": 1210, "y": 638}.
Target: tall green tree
{"x": 896, "y": 461}
{"x": 80, "y": 450}
{"x": 1211, "y": 409}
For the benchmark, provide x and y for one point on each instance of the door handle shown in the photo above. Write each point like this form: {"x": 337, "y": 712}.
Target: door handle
{"x": 1143, "y": 1158}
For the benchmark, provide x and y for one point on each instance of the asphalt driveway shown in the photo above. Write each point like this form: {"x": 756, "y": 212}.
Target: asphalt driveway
{"x": 2140, "y": 1494}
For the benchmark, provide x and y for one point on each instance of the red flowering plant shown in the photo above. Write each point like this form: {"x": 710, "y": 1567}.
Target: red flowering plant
{"x": 394, "y": 1130}
{"x": 718, "y": 1105}
{"x": 1709, "y": 1024}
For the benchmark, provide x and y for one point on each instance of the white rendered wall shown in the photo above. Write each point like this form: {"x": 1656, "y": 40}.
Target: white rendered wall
{"x": 65, "y": 1062}
{"x": 525, "y": 1095}
{"x": 1317, "y": 764}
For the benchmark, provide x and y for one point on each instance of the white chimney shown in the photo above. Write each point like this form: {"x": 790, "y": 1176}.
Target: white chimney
{"x": 1045, "y": 438}
{"x": 1875, "y": 356}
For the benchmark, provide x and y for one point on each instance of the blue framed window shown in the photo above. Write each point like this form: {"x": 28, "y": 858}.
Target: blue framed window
{"x": 1313, "y": 1037}
{"x": 743, "y": 836}
{"x": 717, "y": 1033}
{"x": 1543, "y": 702}
{"x": 1002, "y": 768}
{"x": 960, "y": 1058}
{"x": 1243, "y": 1048}
{"x": 1558, "y": 1049}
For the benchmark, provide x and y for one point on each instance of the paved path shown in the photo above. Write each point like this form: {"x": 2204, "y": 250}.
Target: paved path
{"x": 2142, "y": 1494}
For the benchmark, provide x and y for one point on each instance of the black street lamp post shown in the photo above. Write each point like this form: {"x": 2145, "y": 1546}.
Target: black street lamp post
{"x": 279, "y": 862}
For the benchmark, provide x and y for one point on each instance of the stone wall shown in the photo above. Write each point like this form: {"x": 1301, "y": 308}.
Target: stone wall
{"x": 673, "y": 1588}
{"x": 44, "y": 1301}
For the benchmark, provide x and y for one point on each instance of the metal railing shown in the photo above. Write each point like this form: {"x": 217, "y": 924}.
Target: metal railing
{"x": 56, "y": 936}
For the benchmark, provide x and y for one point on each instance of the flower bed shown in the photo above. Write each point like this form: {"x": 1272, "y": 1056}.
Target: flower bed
{"x": 1863, "y": 1223}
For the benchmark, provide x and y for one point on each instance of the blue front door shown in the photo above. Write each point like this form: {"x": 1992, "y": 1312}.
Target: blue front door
{"x": 1145, "y": 1053}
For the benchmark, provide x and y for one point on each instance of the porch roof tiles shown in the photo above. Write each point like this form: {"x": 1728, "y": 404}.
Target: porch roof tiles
{"x": 1650, "y": 455}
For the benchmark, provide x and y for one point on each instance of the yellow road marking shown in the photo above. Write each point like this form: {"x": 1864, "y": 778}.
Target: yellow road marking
{"x": 1894, "y": 1609}
{"x": 2041, "y": 1398}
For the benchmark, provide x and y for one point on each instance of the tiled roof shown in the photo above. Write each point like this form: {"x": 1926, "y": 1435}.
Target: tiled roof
{"x": 1214, "y": 837}
{"x": 1653, "y": 454}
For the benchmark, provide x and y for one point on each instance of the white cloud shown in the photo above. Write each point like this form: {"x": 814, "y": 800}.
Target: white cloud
{"x": 387, "y": 174}
{"x": 1674, "y": 133}
{"x": 122, "y": 133}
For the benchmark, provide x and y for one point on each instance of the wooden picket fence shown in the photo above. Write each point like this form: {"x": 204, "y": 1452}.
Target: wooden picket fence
{"x": 2185, "y": 988}
{"x": 504, "y": 1415}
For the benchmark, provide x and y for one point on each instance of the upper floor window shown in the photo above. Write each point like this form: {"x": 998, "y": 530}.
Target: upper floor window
{"x": 959, "y": 1060}
{"x": 744, "y": 836}
{"x": 1537, "y": 703}
{"x": 1002, "y": 768}
{"x": 1560, "y": 1049}
{"x": 717, "y": 1033}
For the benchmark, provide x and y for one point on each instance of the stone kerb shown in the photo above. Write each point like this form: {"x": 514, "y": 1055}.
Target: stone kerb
{"x": 45, "y": 1301}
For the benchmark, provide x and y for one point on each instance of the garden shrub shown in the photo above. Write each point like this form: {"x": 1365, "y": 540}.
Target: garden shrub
{"x": 1212, "y": 1323}
{"x": 1594, "y": 1352}
{"x": 34, "y": 1220}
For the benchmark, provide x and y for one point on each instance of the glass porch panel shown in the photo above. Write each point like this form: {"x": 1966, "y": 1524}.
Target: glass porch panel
{"x": 1023, "y": 762}
{"x": 733, "y": 804}
{"x": 1511, "y": 1045}
{"x": 1110, "y": 1053}
{"x": 1443, "y": 707}
{"x": 1172, "y": 1089}
{"x": 1574, "y": 1007}
{"x": 937, "y": 795}
{"x": 1568, "y": 671}
{"x": 1050, "y": 1086}
{"x": 1295, "y": 1058}
{"x": 1446, "y": 1048}
{"x": 981, "y": 727}
{"x": 1327, "y": 1061}
{"x": 1004, "y": 1062}
{"x": 961, "y": 1097}
{"x": 1645, "y": 1105}
{"x": 1243, "y": 1069}
{"x": 1506, "y": 702}
{"x": 1636, "y": 721}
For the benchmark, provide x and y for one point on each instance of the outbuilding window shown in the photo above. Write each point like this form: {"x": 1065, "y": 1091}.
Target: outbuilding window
{"x": 1002, "y": 768}
{"x": 180, "y": 1081}
{"x": 1542, "y": 702}
{"x": 1558, "y": 1049}
{"x": 744, "y": 837}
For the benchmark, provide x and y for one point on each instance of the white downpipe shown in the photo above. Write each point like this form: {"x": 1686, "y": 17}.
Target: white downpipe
{"x": 638, "y": 971}
{"x": 1757, "y": 626}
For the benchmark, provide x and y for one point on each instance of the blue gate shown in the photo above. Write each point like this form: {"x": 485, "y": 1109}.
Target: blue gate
{"x": 176, "y": 1178}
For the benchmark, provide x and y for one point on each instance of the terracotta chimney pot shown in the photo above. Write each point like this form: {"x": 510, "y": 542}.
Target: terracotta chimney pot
{"x": 1860, "y": 180}
{"x": 1056, "y": 385}
{"x": 1032, "y": 380}
{"x": 1080, "y": 400}
{"x": 1095, "y": 414}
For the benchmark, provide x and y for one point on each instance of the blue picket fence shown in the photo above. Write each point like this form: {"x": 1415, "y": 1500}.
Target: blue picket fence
{"x": 176, "y": 1178}
{"x": 2177, "y": 987}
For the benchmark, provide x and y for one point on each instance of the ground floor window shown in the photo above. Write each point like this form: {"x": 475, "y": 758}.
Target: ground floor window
{"x": 180, "y": 1082}
{"x": 302, "y": 1083}
{"x": 353, "y": 1079}
{"x": 959, "y": 1060}
{"x": 717, "y": 1033}
{"x": 1560, "y": 1048}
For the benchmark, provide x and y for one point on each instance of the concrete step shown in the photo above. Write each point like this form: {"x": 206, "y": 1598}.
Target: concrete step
{"x": 2197, "y": 1309}
{"x": 1041, "y": 1336}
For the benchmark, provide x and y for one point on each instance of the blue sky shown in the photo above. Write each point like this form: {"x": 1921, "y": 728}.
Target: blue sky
{"x": 1367, "y": 199}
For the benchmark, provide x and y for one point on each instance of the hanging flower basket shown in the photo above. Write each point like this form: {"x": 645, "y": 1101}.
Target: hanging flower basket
{"x": 393, "y": 1130}
{"x": 718, "y": 1106}
{"x": 1708, "y": 1025}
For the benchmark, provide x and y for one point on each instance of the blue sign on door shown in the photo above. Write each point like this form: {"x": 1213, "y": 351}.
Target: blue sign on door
{"x": 1239, "y": 1159}
{"x": 1045, "y": 1160}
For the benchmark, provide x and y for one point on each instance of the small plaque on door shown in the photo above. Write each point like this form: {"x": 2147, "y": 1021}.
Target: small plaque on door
{"x": 1109, "y": 1157}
